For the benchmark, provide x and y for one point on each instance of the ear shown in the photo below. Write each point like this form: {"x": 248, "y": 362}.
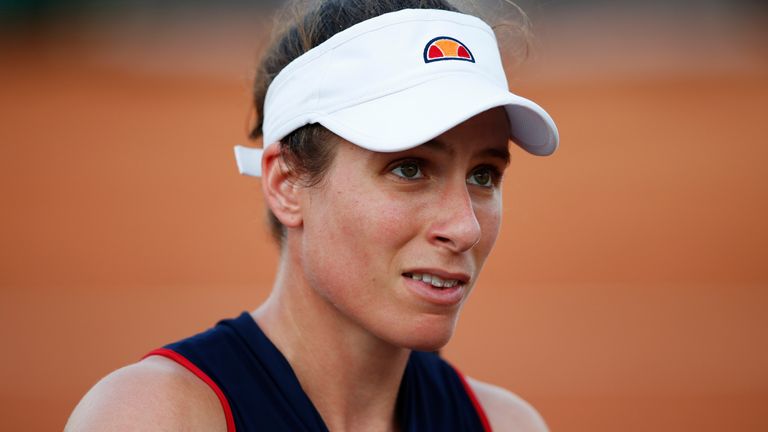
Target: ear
{"x": 280, "y": 188}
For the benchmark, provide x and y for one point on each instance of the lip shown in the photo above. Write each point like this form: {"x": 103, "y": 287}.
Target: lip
{"x": 445, "y": 297}
{"x": 442, "y": 274}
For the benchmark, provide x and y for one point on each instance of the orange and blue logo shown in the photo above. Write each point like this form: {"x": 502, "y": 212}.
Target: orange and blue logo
{"x": 446, "y": 48}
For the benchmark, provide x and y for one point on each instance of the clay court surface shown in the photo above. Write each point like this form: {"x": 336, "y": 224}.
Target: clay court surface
{"x": 627, "y": 292}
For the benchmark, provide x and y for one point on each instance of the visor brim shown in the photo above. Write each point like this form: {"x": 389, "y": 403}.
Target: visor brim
{"x": 417, "y": 114}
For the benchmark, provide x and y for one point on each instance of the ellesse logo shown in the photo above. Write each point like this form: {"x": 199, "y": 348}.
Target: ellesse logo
{"x": 446, "y": 48}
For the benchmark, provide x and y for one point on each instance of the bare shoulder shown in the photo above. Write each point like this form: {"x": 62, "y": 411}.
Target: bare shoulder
{"x": 505, "y": 410}
{"x": 155, "y": 394}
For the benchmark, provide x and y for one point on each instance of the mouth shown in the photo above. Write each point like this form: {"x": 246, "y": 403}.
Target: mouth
{"x": 435, "y": 280}
{"x": 443, "y": 289}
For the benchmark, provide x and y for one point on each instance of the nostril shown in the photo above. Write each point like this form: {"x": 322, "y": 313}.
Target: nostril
{"x": 443, "y": 239}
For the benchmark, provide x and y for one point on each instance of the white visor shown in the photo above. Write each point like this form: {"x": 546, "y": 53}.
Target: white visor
{"x": 396, "y": 81}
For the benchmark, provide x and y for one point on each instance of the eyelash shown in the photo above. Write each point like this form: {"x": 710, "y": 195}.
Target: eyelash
{"x": 493, "y": 171}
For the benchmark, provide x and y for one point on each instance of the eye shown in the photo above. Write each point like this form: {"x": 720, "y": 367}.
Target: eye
{"x": 408, "y": 170}
{"x": 484, "y": 176}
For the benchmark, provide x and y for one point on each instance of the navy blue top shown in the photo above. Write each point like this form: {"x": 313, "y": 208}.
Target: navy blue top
{"x": 264, "y": 394}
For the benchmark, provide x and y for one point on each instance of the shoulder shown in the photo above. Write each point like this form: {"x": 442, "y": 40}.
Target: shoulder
{"x": 505, "y": 410}
{"x": 155, "y": 394}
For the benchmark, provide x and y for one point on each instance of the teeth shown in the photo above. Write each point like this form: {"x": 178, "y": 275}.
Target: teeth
{"x": 433, "y": 280}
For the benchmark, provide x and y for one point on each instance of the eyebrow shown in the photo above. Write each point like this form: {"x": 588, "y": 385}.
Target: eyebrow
{"x": 494, "y": 152}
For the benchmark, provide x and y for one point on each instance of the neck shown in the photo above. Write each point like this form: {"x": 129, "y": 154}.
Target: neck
{"x": 351, "y": 376}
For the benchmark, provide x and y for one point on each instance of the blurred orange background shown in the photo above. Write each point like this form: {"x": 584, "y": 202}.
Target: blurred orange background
{"x": 628, "y": 290}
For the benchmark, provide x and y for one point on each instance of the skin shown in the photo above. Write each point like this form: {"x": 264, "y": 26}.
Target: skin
{"x": 342, "y": 294}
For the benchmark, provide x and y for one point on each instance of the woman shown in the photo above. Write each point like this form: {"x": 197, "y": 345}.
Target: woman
{"x": 386, "y": 127}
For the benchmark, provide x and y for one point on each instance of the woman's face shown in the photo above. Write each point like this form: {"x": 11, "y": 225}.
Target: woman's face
{"x": 384, "y": 231}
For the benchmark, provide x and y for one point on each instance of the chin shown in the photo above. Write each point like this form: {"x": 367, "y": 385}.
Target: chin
{"x": 428, "y": 334}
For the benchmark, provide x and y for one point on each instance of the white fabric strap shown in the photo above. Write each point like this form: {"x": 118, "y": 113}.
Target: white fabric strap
{"x": 248, "y": 160}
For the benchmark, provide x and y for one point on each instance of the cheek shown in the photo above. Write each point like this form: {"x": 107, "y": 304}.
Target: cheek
{"x": 376, "y": 223}
{"x": 489, "y": 217}
{"x": 352, "y": 234}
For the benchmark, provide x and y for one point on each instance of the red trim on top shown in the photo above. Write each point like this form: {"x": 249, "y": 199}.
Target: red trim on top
{"x": 180, "y": 359}
{"x": 475, "y": 402}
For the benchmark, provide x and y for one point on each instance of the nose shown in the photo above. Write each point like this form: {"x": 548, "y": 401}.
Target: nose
{"x": 455, "y": 224}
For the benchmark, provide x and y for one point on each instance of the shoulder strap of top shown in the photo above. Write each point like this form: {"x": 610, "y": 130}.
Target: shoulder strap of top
{"x": 473, "y": 398}
{"x": 183, "y": 361}
{"x": 255, "y": 379}
{"x": 435, "y": 396}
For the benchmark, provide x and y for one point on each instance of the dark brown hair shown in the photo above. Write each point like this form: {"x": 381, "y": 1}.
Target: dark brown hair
{"x": 308, "y": 151}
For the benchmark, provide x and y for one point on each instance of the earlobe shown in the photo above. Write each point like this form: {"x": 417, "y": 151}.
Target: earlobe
{"x": 280, "y": 188}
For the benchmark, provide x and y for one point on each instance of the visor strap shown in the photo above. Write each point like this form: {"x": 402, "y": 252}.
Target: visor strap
{"x": 248, "y": 160}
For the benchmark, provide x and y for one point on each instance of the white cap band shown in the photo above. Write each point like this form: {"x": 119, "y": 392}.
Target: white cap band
{"x": 396, "y": 81}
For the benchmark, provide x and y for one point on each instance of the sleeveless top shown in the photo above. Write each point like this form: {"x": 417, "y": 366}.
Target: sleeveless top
{"x": 259, "y": 391}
